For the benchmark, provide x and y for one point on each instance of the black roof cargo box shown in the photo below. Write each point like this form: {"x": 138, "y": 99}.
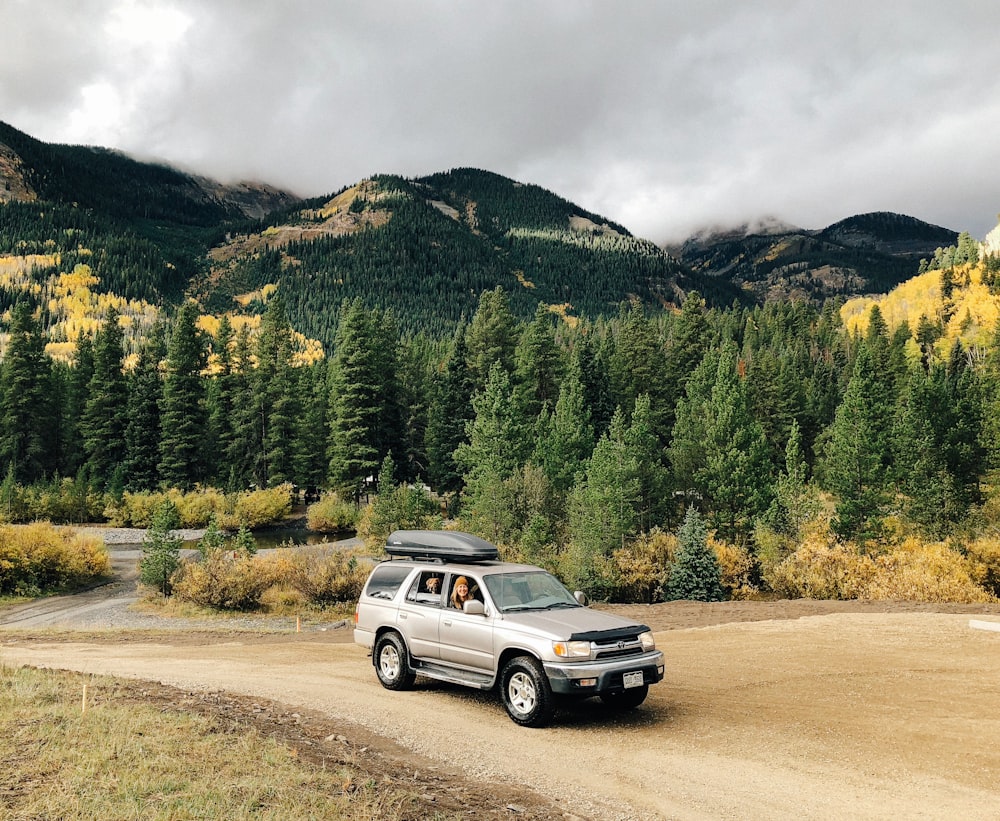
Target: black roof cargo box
{"x": 452, "y": 545}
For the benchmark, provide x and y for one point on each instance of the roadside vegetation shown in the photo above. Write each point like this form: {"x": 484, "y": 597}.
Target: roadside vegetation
{"x": 75, "y": 750}
{"x": 40, "y": 558}
{"x": 836, "y": 450}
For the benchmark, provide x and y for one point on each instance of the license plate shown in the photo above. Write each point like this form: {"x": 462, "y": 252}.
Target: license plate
{"x": 632, "y": 679}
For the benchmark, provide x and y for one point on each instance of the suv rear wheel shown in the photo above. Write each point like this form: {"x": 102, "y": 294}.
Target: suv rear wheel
{"x": 526, "y": 693}
{"x": 391, "y": 663}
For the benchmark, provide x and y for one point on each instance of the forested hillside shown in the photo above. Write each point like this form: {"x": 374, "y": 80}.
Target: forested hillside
{"x": 864, "y": 254}
{"x": 428, "y": 247}
{"x": 493, "y": 353}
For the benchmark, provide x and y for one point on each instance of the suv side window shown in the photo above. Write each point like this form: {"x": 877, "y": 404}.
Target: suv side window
{"x": 426, "y": 588}
{"x": 385, "y": 580}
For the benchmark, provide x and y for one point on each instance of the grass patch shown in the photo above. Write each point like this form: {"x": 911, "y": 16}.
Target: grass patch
{"x": 120, "y": 760}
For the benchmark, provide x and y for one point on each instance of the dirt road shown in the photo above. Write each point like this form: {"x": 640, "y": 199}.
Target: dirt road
{"x": 849, "y": 714}
{"x": 778, "y": 710}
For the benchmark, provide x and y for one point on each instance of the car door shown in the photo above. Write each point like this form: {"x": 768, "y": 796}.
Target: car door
{"x": 467, "y": 639}
{"x": 419, "y": 616}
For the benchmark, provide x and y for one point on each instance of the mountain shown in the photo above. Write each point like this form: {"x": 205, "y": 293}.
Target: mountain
{"x": 428, "y": 247}
{"x": 115, "y": 185}
{"x": 868, "y": 253}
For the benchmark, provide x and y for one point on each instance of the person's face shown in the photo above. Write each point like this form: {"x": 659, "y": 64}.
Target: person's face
{"x": 463, "y": 590}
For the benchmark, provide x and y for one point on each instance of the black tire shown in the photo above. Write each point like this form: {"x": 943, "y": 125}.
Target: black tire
{"x": 392, "y": 663}
{"x": 626, "y": 699}
{"x": 526, "y": 693}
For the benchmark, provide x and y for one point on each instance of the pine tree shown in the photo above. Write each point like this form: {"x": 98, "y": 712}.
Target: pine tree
{"x": 695, "y": 573}
{"x": 603, "y": 506}
{"x": 220, "y": 403}
{"x": 736, "y": 475}
{"x": 638, "y": 366}
{"x": 856, "y": 452}
{"x": 590, "y": 362}
{"x": 183, "y": 414}
{"x": 246, "y": 445}
{"x": 538, "y": 364}
{"x": 493, "y": 453}
{"x": 313, "y": 426}
{"x": 355, "y": 411}
{"x": 71, "y": 449}
{"x": 685, "y": 348}
{"x": 142, "y": 431}
{"x": 491, "y": 337}
{"x": 276, "y": 405}
{"x": 654, "y": 479}
{"x": 27, "y": 418}
{"x": 106, "y": 411}
{"x": 161, "y": 549}
{"x": 449, "y": 414}
{"x": 565, "y": 438}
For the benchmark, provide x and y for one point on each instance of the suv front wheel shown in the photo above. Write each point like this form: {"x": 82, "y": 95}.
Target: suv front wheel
{"x": 391, "y": 663}
{"x": 526, "y": 693}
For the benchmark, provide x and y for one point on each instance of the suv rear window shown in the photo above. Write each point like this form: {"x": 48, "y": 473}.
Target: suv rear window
{"x": 385, "y": 580}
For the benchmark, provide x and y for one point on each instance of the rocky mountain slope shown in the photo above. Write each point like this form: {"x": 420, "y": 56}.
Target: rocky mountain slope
{"x": 868, "y": 253}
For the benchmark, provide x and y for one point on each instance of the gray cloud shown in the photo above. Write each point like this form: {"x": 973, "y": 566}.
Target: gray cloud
{"x": 664, "y": 116}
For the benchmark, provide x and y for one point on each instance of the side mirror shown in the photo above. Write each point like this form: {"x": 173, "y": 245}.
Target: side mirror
{"x": 581, "y": 597}
{"x": 474, "y": 607}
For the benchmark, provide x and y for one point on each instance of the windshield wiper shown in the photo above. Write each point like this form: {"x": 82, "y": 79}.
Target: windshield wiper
{"x": 559, "y": 605}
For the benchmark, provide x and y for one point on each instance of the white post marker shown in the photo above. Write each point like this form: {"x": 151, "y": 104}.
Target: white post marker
{"x": 985, "y": 625}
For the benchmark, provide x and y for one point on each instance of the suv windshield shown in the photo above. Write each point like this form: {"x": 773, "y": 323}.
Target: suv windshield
{"x": 530, "y": 590}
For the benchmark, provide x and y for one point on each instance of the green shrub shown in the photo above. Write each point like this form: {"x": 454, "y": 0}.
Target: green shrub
{"x": 331, "y": 515}
{"x": 38, "y": 558}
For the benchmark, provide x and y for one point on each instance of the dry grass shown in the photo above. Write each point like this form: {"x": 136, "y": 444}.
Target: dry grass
{"x": 126, "y": 761}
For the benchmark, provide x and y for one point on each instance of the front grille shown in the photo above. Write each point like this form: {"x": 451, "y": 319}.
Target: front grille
{"x": 618, "y": 649}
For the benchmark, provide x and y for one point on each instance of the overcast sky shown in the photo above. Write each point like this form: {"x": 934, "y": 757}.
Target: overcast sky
{"x": 664, "y": 116}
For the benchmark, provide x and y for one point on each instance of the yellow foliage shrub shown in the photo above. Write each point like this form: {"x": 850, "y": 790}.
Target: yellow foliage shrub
{"x": 254, "y": 508}
{"x": 327, "y": 575}
{"x": 985, "y": 557}
{"x": 821, "y": 568}
{"x": 224, "y": 579}
{"x": 196, "y": 508}
{"x": 137, "y": 509}
{"x": 331, "y": 515}
{"x": 736, "y": 566}
{"x": 39, "y": 557}
{"x": 910, "y": 571}
{"x": 641, "y": 568}
{"x": 914, "y": 571}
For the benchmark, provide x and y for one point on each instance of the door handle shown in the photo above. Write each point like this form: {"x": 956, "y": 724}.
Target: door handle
{"x": 447, "y": 622}
{"x": 403, "y": 615}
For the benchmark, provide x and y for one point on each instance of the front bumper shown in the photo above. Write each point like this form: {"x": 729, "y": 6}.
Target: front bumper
{"x": 595, "y": 677}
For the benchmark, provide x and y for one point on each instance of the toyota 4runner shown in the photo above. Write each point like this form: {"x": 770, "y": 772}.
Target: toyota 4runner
{"x": 517, "y": 629}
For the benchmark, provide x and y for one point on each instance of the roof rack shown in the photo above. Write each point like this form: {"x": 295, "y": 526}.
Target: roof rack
{"x": 441, "y": 545}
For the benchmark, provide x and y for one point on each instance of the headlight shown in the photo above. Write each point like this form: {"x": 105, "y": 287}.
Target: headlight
{"x": 571, "y": 649}
{"x": 646, "y": 640}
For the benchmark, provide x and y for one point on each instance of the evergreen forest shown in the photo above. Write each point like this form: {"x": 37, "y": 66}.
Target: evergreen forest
{"x": 483, "y": 351}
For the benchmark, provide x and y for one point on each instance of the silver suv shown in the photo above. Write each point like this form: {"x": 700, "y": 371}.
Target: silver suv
{"x": 443, "y": 606}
